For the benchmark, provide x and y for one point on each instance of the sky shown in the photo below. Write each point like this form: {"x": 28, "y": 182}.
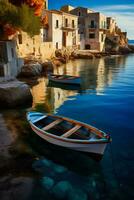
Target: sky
{"x": 121, "y": 10}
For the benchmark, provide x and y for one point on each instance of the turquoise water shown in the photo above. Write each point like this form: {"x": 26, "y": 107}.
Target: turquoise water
{"x": 105, "y": 101}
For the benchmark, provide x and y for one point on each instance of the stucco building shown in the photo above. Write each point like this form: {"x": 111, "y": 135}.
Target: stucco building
{"x": 91, "y": 27}
{"x": 10, "y": 63}
{"x": 62, "y": 29}
{"x": 81, "y": 13}
{"x": 111, "y": 25}
{"x": 95, "y": 27}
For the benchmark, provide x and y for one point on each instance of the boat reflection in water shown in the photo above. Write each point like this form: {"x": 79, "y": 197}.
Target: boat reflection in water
{"x": 64, "y": 86}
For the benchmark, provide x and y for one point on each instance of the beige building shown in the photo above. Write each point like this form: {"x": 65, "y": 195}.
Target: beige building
{"x": 62, "y": 29}
{"x": 67, "y": 8}
{"x": 111, "y": 25}
{"x": 95, "y": 27}
{"x": 81, "y": 13}
{"x": 91, "y": 27}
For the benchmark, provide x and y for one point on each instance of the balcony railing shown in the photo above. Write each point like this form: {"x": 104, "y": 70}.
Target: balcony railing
{"x": 69, "y": 26}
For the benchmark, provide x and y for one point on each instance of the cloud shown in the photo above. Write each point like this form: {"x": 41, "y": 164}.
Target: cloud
{"x": 120, "y": 8}
{"x": 124, "y": 15}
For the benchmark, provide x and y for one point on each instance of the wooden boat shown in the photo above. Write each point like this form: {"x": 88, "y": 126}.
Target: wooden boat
{"x": 66, "y": 79}
{"x": 68, "y": 133}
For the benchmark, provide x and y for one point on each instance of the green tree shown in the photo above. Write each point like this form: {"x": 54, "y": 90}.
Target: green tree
{"x": 19, "y": 17}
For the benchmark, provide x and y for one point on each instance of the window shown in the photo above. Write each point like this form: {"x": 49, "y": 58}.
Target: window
{"x": 57, "y": 23}
{"x": 1, "y": 53}
{"x": 39, "y": 50}
{"x": 102, "y": 37}
{"x": 66, "y": 22}
{"x": 105, "y": 25}
{"x": 92, "y": 24}
{"x": 79, "y": 13}
{"x": 45, "y": 5}
{"x": 91, "y": 35}
{"x": 56, "y": 45}
{"x": 12, "y": 52}
{"x": 20, "y": 39}
{"x": 101, "y": 24}
{"x": 73, "y": 24}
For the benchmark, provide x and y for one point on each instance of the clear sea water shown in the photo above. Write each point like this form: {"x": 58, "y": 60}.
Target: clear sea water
{"x": 106, "y": 100}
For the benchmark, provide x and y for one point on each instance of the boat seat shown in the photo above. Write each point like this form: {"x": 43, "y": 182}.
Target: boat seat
{"x": 52, "y": 124}
{"x": 71, "y": 131}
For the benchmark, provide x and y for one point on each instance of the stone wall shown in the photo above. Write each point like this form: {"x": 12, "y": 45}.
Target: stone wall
{"x": 34, "y": 47}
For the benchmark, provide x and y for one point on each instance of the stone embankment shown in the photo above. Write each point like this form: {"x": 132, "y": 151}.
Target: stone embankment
{"x": 14, "y": 93}
{"x": 35, "y": 68}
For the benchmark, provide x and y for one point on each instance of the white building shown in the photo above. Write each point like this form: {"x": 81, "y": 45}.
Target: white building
{"x": 10, "y": 64}
{"x": 62, "y": 29}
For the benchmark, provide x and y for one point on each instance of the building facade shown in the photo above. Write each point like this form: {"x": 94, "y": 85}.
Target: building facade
{"x": 95, "y": 27}
{"x": 81, "y": 13}
{"x": 34, "y": 47}
{"x": 10, "y": 63}
{"x": 92, "y": 27}
{"x": 62, "y": 29}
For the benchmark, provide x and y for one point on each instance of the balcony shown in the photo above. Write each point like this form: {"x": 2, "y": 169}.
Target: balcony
{"x": 69, "y": 27}
{"x": 92, "y": 26}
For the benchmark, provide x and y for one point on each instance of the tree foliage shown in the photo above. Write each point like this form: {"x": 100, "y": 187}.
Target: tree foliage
{"x": 18, "y": 17}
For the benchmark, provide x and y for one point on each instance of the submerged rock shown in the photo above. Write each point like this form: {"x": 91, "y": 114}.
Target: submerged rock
{"x": 14, "y": 93}
{"x": 77, "y": 195}
{"x": 61, "y": 189}
{"x": 59, "y": 169}
{"x": 47, "y": 182}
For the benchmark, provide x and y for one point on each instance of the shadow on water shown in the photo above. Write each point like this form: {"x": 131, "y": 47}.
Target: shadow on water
{"x": 77, "y": 162}
{"x": 64, "y": 86}
{"x": 27, "y": 147}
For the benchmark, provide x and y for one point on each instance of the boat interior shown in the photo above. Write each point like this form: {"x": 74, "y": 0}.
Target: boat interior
{"x": 66, "y": 129}
{"x": 62, "y": 77}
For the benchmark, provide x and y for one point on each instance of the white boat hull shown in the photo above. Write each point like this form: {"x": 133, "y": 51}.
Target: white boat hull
{"x": 97, "y": 148}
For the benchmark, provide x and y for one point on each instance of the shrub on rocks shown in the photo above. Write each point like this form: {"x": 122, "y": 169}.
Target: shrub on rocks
{"x": 47, "y": 67}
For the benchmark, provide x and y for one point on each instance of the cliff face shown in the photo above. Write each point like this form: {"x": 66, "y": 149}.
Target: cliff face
{"x": 116, "y": 40}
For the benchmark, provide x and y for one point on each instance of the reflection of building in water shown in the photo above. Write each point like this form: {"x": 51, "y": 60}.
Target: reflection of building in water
{"x": 60, "y": 96}
{"x": 96, "y": 75}
{"x": 100, "y": 76}
{"x": 104, "y": 76}
{"x": 38, "y": 91}
{"x": 71, "y": 68}
{"x": 51, "y": 97}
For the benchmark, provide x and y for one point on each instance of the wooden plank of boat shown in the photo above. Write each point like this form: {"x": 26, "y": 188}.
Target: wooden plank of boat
{"x": 52, "y": 124}
{"x": 91, "y": 128}
{"x": 71, "y": 131}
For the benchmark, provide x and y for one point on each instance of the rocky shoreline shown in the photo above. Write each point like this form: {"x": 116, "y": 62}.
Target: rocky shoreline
{"x": 14, "y": 93}
{"x": 34, "y": 67}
